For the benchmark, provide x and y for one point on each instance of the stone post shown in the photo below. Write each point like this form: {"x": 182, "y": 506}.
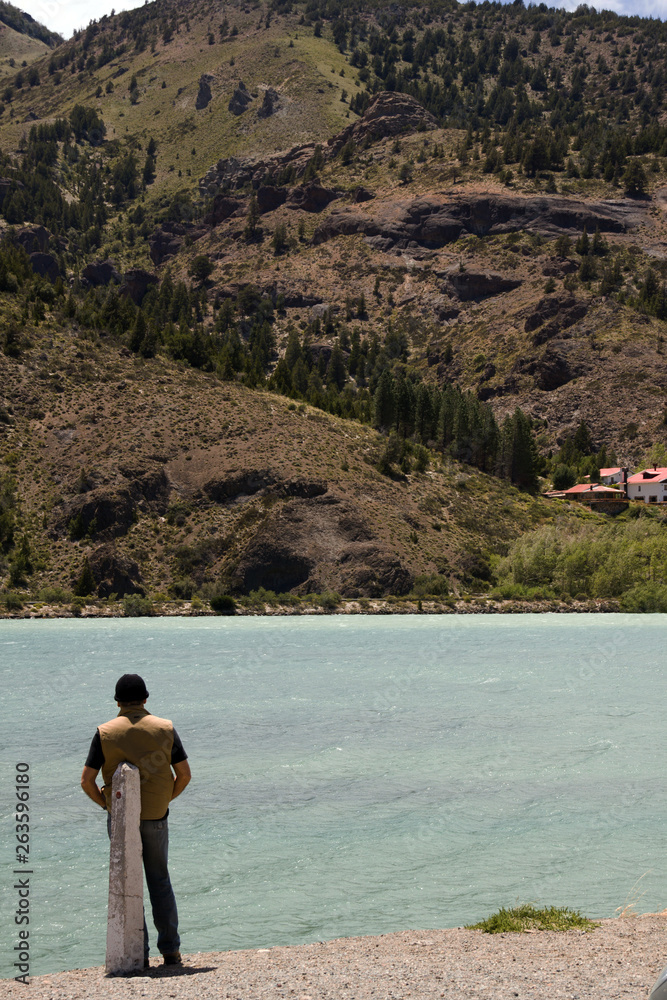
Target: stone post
{"x": 125, "y": 925}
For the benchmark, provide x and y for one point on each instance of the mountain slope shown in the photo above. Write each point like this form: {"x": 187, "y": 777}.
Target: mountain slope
{"x": 419, "y": 220}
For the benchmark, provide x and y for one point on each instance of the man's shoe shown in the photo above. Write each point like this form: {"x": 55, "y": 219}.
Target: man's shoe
{"x": 173, "y": 959}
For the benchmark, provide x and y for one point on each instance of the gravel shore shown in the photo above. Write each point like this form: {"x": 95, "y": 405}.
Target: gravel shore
{"x": 620, "y": 958}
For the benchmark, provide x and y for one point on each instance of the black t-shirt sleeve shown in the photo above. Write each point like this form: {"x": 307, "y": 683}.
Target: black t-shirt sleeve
{"x": 178, "y": 754}
{"x": 95, "y": 756}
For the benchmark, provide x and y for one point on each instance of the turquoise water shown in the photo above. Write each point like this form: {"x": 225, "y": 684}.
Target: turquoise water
{"x": 350, "y": 774}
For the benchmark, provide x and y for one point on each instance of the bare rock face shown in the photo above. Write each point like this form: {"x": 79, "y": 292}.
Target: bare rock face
{"x": 136, "y": 283}
{"x": 101, "y": 272}
{"x": 294, "y": 296}
{"x": 114, "y": 573}
{"x": 316, "y": 544}
{"x": 388, "y": 114}
{"x": 362, "y": 194}
{"x": 222, "y": 208}
{"x": 245, "y": 483}
{"x": 270, "y": 198}
{"x": 311, "y": 197}
{"x": 164, "y": 244}
{"x": 109, "y": 511}
{"x": 434, "y": 223}
{"x": 470, "y": 286}
{"x": 550, "y": 371}
{"x": 167, "y": 239}
{"x": 204, "y": 96}
{"x": 270, "y": 104}
{"x": 240, "y": 100}
{"x": 547, "y": 307}
{"x": 562, "y": 311}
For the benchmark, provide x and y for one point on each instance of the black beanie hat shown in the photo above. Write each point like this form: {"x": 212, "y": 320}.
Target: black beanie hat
{"x": 129, "y": 688}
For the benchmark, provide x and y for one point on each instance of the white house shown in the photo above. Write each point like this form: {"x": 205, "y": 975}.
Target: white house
{"x": 650, "y": 485}
{"x": 610, "y": 476}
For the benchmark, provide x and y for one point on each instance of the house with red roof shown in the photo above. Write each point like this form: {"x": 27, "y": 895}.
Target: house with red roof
{"x": 650, "y": 485}
{"x": 610, "y": 476}
{"x": 585, "y": 492}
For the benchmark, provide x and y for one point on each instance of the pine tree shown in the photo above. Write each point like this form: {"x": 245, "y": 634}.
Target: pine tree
{"x": 138, "y": 331}
{"x": 384, "y": 402}
{"x": 85, "y": 585}
{"x": 336, "y": 373}
{"x": 518, "y": 460}
{"x": 252, "y": 219}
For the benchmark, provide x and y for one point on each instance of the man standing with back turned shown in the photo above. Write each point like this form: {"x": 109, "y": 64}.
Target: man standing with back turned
{"x": 152, "y": 745}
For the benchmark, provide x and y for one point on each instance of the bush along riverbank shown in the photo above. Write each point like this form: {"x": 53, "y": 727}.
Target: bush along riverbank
{"x": 313, "y": 605}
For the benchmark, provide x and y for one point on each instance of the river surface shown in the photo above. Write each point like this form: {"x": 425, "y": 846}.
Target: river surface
{"x": 351, "y": 775}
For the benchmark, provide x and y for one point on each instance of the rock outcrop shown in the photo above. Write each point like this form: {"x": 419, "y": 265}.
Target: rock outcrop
{"x": 550, "y": 371}
{"x": 136, "y": 283}
{"x": 562, "y": 311}
{"x": 434, "y": 223}
{"x": 311, "y": 197}
{"x": 109, "y": 511}
{"x": 222, "y": 208}
{"x": 388, "y": 114}
{"x": 204, "y": 95}
{"x": 114, "y": 573}
{"x": 168, "y": 238}
{"x": 33, "y": 239}
{"x": 103, "y": 272}
{"x": 245, "y": 483}
{"x": 316, "y": 544}
{"x": 470, "y": 286}
{"x": 240, "y": 100}
{"x": 45, "y": 265}
{"x": 270, "y": 104}
{"x": 361, "y": 194}
{"x": 270, "y": 198}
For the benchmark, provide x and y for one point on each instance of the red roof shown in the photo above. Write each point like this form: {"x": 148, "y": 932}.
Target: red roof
{"x": 649, "y": 476}
{"x": 587, "y": 488}
{"x": 610, "y": 472}
{"x": 579, "y": 488}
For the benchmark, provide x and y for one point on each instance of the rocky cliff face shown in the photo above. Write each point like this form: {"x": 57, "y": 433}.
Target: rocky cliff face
{"x": 434, "y": 223}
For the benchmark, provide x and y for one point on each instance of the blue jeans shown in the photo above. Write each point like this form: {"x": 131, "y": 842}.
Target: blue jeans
{"x": 155, "y": 842}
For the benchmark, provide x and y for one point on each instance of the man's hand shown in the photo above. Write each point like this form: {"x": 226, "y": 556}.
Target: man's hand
{"x": 182, "y": 778}
{"x": 90, "y": 787}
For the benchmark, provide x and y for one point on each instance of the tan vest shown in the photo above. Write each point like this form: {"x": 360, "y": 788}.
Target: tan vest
{"x": 145, "y": 741}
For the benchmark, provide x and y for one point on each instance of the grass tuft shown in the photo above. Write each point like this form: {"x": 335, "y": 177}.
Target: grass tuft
{"x": 527, "y": 918}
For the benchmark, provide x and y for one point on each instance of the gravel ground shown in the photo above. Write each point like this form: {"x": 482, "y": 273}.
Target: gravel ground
{"x": 621, "y": 958}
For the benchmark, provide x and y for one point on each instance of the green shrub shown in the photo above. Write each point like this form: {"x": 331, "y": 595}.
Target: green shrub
{"x": 330, "y": 600}
{"x": 526, "y": 917}
{"x": 645, "y": 598}
{"x": 430, "y": 585}
{"x": 12, "y": 601}
{"x": 587, "y": 558}
{"x": 517, "y": 592}
{"x": 136, "y": 606}
{"x": 178, "y": 512}
{"x": 223, "y": 604}
{"x": 182, "y": 589}
{"x": 55, "y": 595}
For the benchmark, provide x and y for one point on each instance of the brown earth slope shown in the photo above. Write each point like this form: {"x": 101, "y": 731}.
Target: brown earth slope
{"x": 170, "y": 481}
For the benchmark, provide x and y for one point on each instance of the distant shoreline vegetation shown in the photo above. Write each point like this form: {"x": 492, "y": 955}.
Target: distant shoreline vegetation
{"x": 525, "y": 601}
